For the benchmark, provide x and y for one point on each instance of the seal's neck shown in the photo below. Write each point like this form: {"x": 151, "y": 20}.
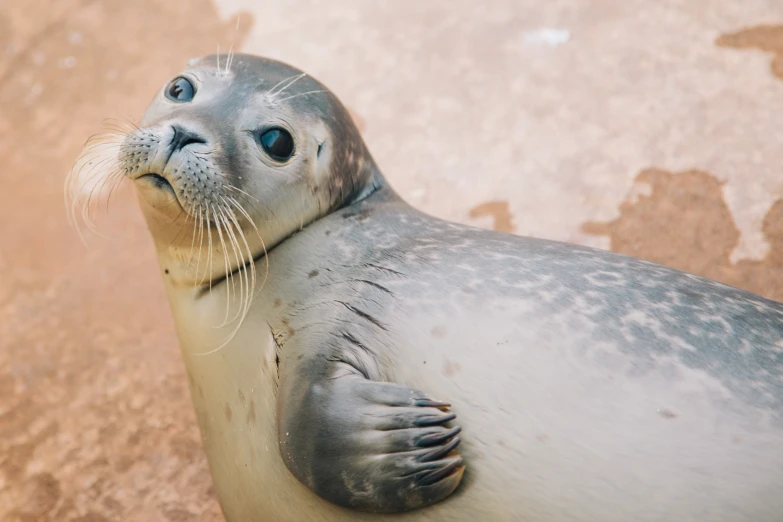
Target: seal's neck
{"x": 200, "y": 263}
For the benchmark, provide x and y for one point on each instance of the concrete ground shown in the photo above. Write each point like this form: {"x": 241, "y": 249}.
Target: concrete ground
{"x": 650, "y": 128}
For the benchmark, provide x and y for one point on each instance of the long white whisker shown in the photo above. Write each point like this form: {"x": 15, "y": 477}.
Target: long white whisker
{"x": 229, "y": 200}
{"x": 200, "y": 244}
{"x": 94, "y": 171}
{"x": 211, "y": 253}
{"x": 234, "y": 246}
{"x": 231, "y": 187}
{"x": 258, "y": 233}
{"x": 248, "y": 283}
{"x": 244, "y": 311}
{"x": 193, "y": 240}
{"x": 85, "y": 214}
{"x": 297, "y": 95}
{"x": 270, "y": 94}
{"x": 226, "y": 264}
{"x": 231, "y": 49}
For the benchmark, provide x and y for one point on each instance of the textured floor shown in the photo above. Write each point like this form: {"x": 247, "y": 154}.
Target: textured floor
{"x": 651, "y": 128}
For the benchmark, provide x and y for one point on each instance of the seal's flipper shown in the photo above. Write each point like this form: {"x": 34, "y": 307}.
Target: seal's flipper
{"x": 371, "y": 446}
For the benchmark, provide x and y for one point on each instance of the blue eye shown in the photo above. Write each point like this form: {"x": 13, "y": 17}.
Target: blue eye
{"x": 180, "y": 90}
{"x": 277, "y": 143}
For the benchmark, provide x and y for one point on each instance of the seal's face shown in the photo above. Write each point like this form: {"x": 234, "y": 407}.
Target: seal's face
{"x": 232, "y": 156}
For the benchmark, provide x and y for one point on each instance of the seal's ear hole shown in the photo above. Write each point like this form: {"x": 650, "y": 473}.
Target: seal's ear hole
{"x": 322, "y": 158}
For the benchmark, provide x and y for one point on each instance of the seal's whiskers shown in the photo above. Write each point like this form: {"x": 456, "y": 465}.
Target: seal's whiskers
{"x": 250, "y": 282}
{"x": 297, "y": 95}
{"x": 226, "y": 264}
{"x": 192, "y": 211}
{"x": 271, "y": 94}
{"x": 200, "y": 245}
{"x": 244, "y": 213}
{"x": 230, "y": 58}
{"x": 95, "y": 170}
{"x": 232, "y": 241}
{"x": 254, "y": 203}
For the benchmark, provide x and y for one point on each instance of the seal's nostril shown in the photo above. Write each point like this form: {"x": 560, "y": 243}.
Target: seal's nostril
{"x": 183, "y": 137}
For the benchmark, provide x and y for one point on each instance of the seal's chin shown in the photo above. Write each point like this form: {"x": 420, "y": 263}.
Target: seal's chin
{"x": 157, "y": 193}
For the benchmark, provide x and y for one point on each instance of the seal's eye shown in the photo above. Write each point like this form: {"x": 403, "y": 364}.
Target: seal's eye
{"x": 180, "y": 90}
{"x": 277, "y": 143}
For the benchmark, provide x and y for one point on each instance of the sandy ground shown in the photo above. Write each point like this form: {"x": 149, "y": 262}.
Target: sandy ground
{"x": 650, "y": 128}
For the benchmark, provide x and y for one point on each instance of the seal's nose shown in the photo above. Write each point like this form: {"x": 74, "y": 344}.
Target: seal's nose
{"x": 183, "y": 137}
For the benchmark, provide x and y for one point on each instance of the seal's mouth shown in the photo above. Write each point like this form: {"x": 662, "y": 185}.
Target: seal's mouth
{"x": 158, "y": 181}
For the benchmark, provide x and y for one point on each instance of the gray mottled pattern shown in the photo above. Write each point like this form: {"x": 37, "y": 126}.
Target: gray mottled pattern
{"x": 392, "y": 255}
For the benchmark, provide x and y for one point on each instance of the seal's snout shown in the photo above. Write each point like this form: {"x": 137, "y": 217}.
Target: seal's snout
{"x": 183, "y": 137}
{"x": 177, "y": 159}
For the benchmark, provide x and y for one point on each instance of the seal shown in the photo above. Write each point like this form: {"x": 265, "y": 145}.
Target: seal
{"x": 350, "y": 356}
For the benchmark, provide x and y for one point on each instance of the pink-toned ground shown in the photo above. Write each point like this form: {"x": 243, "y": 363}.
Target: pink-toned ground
{"x": 95, "y": 418}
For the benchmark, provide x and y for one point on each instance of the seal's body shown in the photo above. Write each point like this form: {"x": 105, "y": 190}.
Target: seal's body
{"x": 586, "y": 385}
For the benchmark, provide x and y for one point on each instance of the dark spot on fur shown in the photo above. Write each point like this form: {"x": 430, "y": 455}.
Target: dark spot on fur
{"x": 278, "y": 302}
{"x": 451, "y": 368}
{"x": 360, "y": 214}
{"x": 439, "y": 332}
{"x": 229, "y": 413}
{"x": 328, "y": 233}
{"x": 313, "y": 274}
{"x": 667, "y": 414}
{"x": 300, "y": 357}
{"x": 242, "y": 398}
{"x": 251, "y": 412}
{"x": 166, "y": 271}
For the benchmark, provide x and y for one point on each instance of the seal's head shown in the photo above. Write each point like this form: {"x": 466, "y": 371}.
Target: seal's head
{"x": 233, "y": 155}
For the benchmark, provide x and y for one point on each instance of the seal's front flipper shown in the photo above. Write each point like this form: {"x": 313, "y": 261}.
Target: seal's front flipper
{"x": 368, "y": 445}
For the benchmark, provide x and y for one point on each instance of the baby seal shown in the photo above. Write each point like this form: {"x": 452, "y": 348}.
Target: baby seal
{"x": 350, "y": 356}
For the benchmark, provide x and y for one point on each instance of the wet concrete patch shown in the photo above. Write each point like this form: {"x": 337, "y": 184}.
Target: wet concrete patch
{"x": 768, "y": 38}
{"x": 502, "y": 220}
{"x": 685, "y": 223}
